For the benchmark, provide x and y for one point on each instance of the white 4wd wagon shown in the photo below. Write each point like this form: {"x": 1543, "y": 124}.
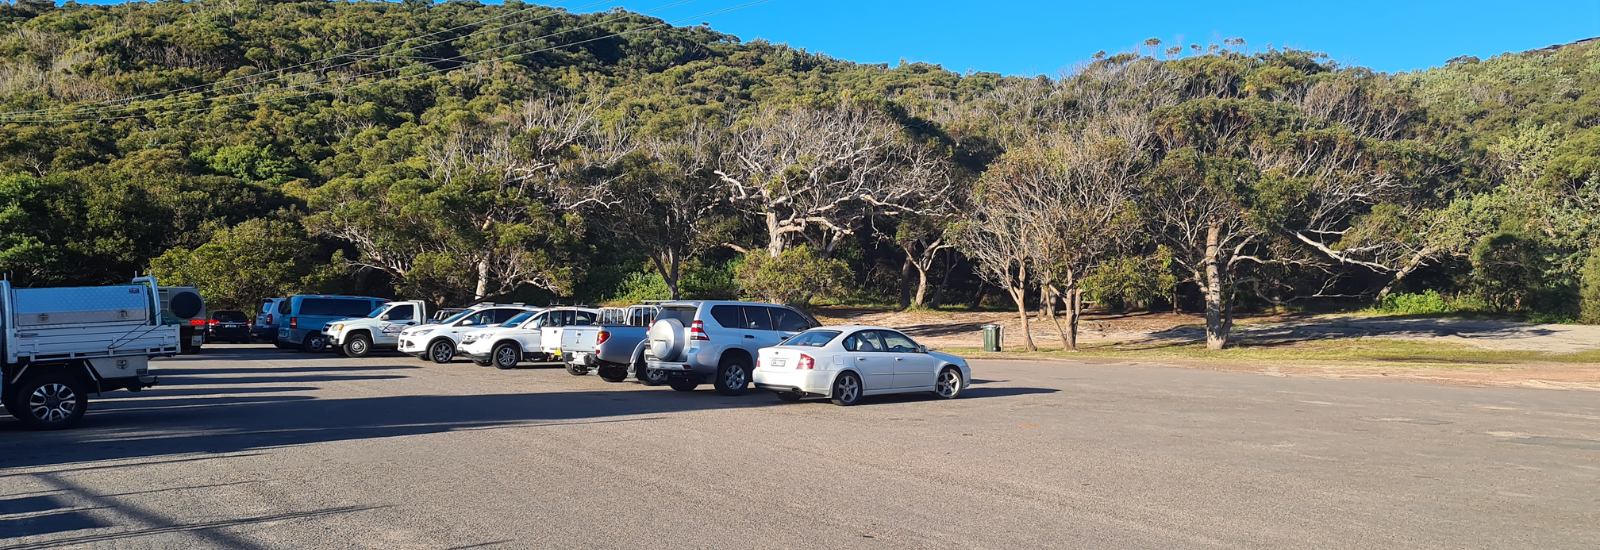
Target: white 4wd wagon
{"x": 437, "y": 341}
{"x": 700, "y": 341}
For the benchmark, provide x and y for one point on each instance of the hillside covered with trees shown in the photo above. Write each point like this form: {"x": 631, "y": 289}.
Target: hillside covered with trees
{"x": 459, "y": 151}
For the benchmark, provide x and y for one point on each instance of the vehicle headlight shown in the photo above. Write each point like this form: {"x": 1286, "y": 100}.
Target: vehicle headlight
{"x": 337, "y": 328}
{"x": 423, "y": 331}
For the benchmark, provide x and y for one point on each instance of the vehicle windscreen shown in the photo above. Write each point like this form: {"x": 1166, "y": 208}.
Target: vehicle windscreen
{"x": 514, "y": 321}
{"x": 811, "y": 338}
{"x": 456, "y": 317}
{"x": 230, "y": 316}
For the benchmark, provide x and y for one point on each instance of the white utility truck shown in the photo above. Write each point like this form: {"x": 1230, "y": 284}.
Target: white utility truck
{"x": 62, "y": 344}
{"x": 357, "y": 337}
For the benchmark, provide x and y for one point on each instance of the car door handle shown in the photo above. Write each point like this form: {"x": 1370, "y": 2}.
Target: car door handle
{"x": 750, "y": 336}
{"x": 898, "y": 359}
{"x": 861, "y": 359}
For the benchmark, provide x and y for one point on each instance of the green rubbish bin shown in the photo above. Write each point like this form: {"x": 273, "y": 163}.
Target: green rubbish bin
{"x": 991, "y": 338}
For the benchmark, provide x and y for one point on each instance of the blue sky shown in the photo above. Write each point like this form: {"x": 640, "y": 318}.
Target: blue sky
{"x": 1031, "y": 37}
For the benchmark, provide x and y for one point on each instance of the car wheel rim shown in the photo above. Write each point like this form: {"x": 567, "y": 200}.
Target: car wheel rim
{"x": 948, "y": 382}
{"x": 656, "y": 376}
{"x": 52, "y": 402}
{"x": 848, "y": 389}
{"x": 358, "y": 347}
{"x": 441, "y": 353}
{"x": 735, "y": 377}
{"x": 505, "y": 357}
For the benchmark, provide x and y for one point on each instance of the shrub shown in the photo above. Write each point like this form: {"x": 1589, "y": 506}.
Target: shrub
{"x": 1426, "y": 303}
{"x": 1589, "y": 292}
{"x": 798, "y": 275}
{"x": 640, "y": 286}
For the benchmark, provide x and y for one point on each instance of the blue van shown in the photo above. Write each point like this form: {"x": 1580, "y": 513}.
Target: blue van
{"x": 300, "y": 318}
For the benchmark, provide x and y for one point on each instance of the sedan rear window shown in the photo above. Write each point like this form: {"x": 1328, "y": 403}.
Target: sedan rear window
{"x": 230, "y": 316}
{"x": 812, "y": 338}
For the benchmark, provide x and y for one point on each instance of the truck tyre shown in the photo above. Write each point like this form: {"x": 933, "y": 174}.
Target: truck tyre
{"x": 358, "y": 345}
{"x": 576, "y": 369}
{"x": 613, "y": 373}
{"x": 51, "y": 401}
{"x": 441, "y": 351}
{"x": 683, "y": 384}
{"x": 314, "y": 342}
{"x": 732, "y": 377}
{"x": 505, "y": 356}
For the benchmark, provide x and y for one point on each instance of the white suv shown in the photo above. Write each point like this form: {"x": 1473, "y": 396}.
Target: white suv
{"x": 521, "y": 338}
{"x": 437, "y": 342}
{"x": 695, "y": 342}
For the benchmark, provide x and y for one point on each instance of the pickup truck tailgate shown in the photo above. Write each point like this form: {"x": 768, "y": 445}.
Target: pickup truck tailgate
{"x": 579, "y": 339}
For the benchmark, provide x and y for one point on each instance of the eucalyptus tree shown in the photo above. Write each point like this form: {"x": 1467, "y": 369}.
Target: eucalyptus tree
{"x": 821, "y": 174}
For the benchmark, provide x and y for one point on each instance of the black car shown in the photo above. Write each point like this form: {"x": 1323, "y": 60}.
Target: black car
{"x": 228, "y": 326}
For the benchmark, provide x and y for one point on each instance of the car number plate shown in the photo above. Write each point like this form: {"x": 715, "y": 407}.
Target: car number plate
{"x": 778, "y": 362}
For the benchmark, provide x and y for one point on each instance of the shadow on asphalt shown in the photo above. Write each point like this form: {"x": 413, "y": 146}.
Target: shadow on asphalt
{"x": 215, "y": 410}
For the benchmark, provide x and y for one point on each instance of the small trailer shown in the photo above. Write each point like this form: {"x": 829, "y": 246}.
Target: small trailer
{"x": 62, "y": 344}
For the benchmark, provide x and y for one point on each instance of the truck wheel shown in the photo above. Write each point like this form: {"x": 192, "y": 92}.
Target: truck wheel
{"x": 576, "y": 369}
{"x": 52, "y": 401}
{"x": 505, "y": 356}
{"x": 732, "y": 377}
{"x": 314, "y": 343}
{"x": 359, "y": 345}
{"x": 441, "y": 351}
{"x": 613, "y": 373}
{"x": 683, "y": 384}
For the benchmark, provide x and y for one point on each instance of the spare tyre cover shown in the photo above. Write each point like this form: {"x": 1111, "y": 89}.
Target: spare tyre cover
{"x": 185, "y": 303}
{"x": 666, "y": 339}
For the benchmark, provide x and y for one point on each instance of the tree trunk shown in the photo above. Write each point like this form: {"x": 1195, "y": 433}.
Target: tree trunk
{"x": 1047, "y": 300}
{"x": 775, "y": 238}
{"x": 1020, "y": 296}
{"x": 1074, "y": 314}
{"x": 1045, "y": 294}
{"x": 905, "y": 283}
{"x": 938, "y": 292}
{"x": 483, "y": 280}
{"x": 1216, "y": 324}
{"x": 922, "y": 288}
{"x": 1416, "y": 261}
{"x": 669, "y": 268}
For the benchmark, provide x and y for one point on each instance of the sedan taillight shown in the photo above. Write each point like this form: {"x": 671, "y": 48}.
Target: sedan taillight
{"x": 697, "y": 331}
{"x": 805, "y": 363}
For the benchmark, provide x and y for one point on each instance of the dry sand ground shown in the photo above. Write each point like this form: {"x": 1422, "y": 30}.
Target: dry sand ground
{"x": 952, "y": 330}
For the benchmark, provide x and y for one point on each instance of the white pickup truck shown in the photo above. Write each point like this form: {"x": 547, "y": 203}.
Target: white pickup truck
{"x": 359, "y": 336}
{"x": 524, "y": 338}
{"x": 614, "y": 348}
{"x": 62, "y": 344}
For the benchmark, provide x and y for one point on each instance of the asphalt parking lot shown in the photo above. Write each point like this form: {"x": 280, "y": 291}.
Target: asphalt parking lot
{"x": 252, "y": 447}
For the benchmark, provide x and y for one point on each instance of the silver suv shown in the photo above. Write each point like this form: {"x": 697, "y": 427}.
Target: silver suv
{"x": 696, "y": 342}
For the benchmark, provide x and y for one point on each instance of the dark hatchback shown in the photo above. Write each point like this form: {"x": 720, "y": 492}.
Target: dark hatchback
{"x": 228, "y": 326}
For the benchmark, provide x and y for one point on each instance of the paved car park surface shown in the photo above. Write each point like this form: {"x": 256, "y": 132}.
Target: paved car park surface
{"x": 253, "y": 447}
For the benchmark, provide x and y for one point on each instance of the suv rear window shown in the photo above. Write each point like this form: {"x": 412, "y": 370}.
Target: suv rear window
{"x": 684, "y": 314}
{"x": 728, "y": 316}
{"x": 230, "y": 316}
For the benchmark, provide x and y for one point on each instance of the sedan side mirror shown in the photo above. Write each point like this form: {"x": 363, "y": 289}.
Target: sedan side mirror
{"x": 922, "y": 348}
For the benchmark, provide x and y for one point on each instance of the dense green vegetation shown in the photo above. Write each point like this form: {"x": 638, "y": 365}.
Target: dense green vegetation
{"x": 458, "y": 151}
